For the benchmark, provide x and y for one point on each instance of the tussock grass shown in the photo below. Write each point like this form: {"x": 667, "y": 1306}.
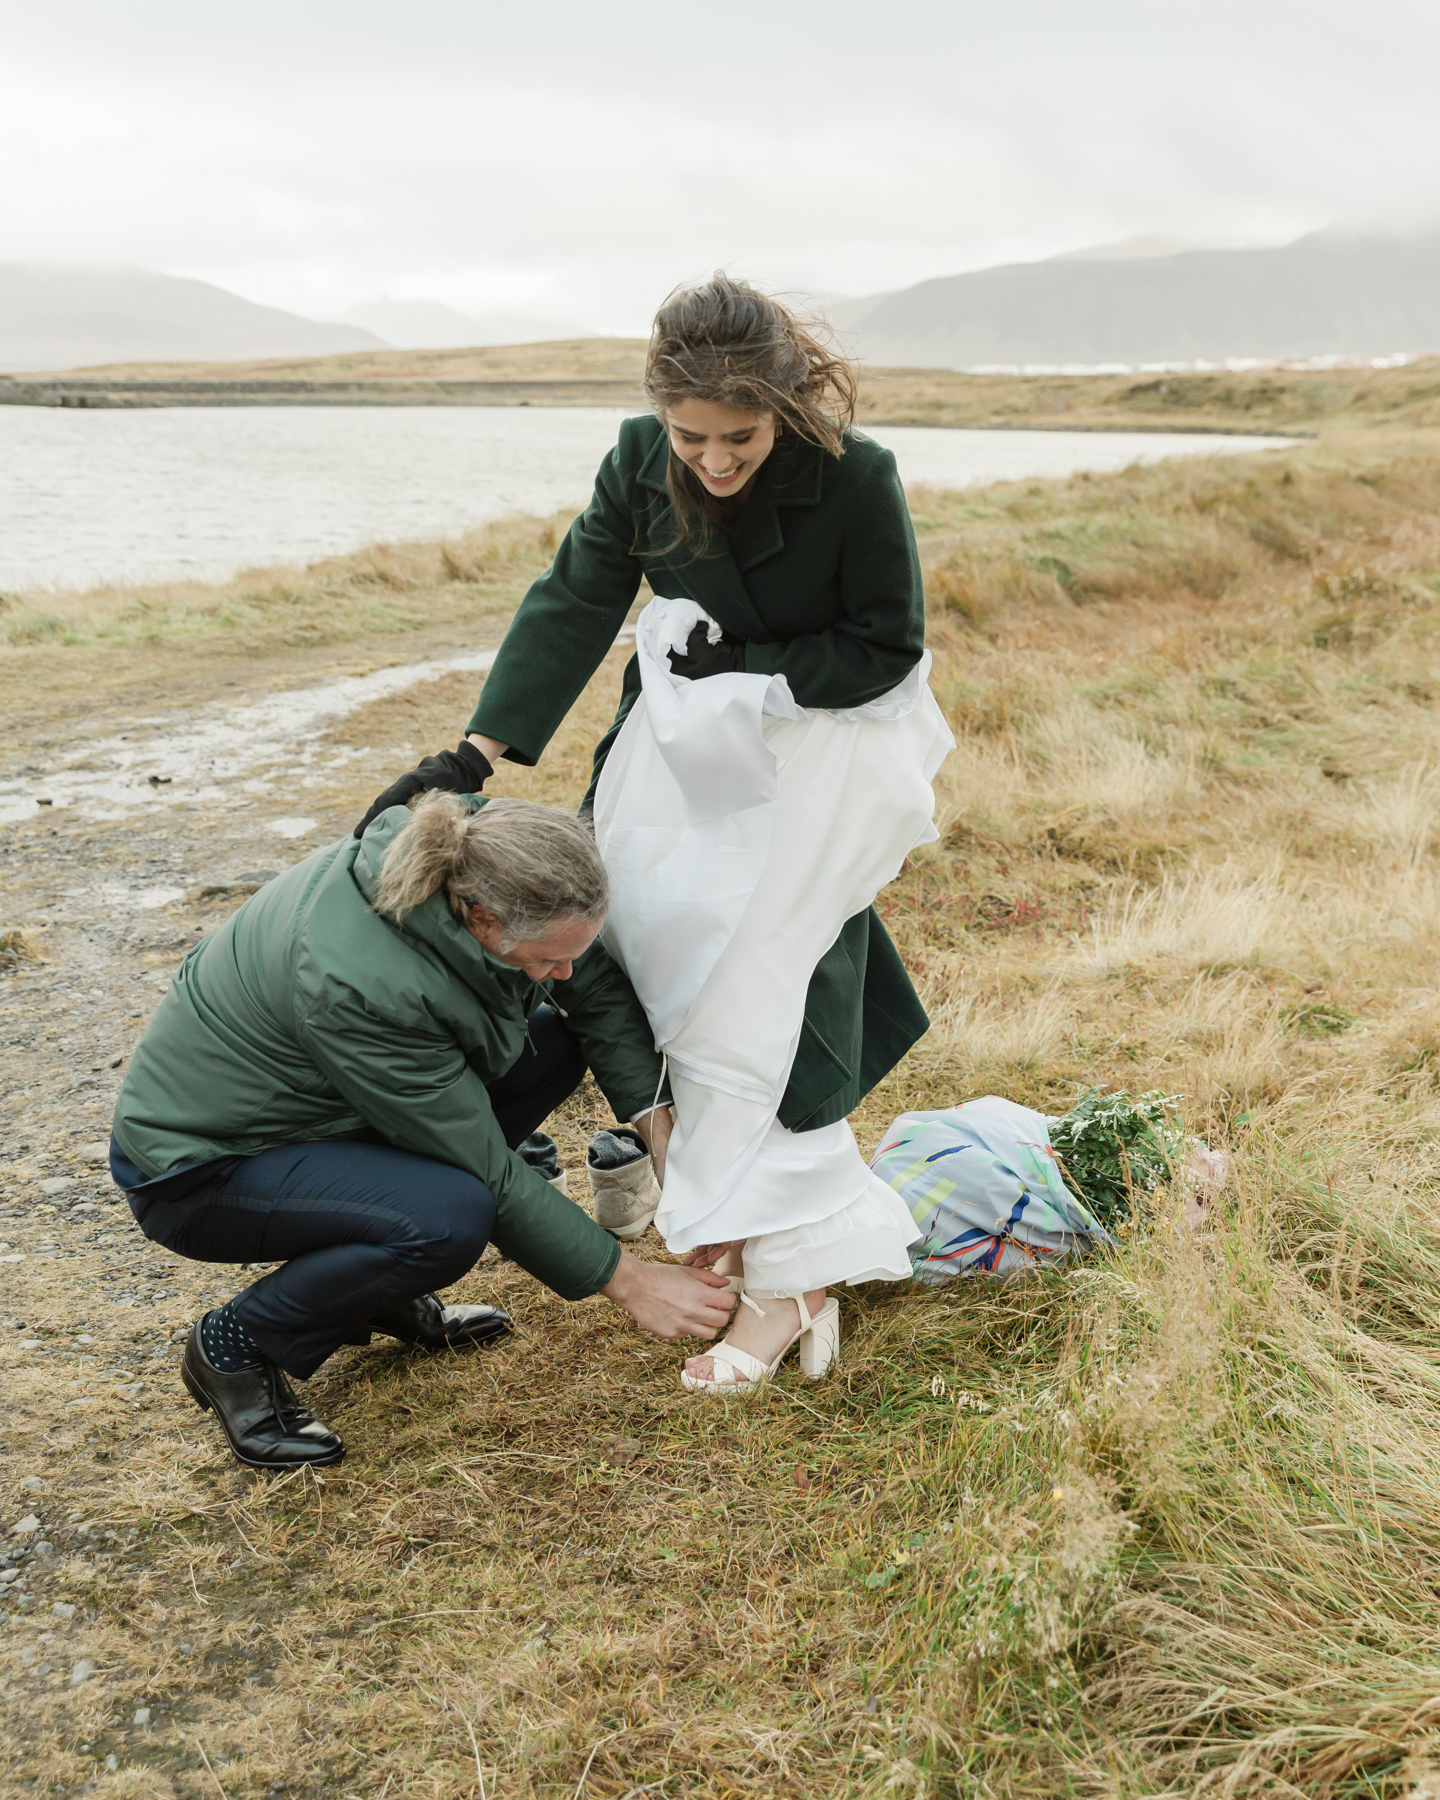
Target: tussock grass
{"x": 1258, "y": 401}
{"x": 386, "y": 590}
{"x": 1166, "y": 1524}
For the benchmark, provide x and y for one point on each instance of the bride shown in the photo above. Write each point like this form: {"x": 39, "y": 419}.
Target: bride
{"x": 767, "y": 772}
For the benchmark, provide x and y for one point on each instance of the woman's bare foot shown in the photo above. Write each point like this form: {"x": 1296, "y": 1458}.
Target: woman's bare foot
{"x": 763, "y": 1338}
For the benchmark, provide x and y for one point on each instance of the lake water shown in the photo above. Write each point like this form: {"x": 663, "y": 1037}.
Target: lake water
{"x": 87, "y": 497}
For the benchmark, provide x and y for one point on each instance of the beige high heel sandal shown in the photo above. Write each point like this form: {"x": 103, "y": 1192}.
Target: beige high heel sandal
{"x": 736, "y": 1371}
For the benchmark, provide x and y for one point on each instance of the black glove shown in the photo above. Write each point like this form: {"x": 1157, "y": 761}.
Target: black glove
{"x": 463, "y": 770}
{"x": 702, "y": 658}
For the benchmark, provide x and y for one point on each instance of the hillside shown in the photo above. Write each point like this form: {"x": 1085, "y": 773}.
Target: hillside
{"x": 430, "y": 325}
{"x": 61, "y": 317}
{"x": 1326, "y": 294}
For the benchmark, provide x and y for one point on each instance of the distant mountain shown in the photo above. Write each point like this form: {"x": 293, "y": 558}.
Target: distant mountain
{"x": 846, "y": 314}
{"x": 58, "y": 317}
{"x": 430, "y": 325}
{"x": 1326, "y": 294}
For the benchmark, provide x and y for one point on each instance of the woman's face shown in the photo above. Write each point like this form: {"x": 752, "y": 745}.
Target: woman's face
{"x": 549, "y": 957}
{"x": 724, "y": 447}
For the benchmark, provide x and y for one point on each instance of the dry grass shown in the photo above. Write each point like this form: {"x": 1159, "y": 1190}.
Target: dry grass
{"x": 1167, "y": 1525}
{"x": 608, "y": 371}
{"x": 569, "y": 360}
{"x": 1258, "y": 401}
{"x": 389, "y": 590}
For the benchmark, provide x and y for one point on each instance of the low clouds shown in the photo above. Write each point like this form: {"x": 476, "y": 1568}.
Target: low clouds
{"x": 576, "y": 162}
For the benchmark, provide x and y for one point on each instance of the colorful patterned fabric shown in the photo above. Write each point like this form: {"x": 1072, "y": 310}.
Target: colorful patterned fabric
{"x": 983, "y": 1185}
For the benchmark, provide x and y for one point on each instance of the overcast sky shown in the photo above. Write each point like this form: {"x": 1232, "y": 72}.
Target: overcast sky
{"x": 575, "y": 161}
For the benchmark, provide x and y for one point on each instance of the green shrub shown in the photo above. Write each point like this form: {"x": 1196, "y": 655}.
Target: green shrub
{"x": 1115, "y": 1150}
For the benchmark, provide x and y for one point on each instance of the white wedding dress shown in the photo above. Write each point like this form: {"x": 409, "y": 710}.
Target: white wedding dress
{"x": 740, "y": 831}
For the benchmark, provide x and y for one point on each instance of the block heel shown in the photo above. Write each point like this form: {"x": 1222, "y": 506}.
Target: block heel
{"x": 820, "y": 1341}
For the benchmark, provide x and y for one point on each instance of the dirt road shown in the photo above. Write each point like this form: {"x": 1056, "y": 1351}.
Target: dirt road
{"x": 128, "y": 839}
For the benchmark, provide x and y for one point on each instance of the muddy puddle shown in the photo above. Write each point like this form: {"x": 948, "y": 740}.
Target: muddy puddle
{"x": 251, "y": 748}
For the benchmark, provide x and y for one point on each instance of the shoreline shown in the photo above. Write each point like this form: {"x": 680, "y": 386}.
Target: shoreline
{"x": 88, "y": 393}
{"x": 610, "y": 372}
{"x": 135, "y": 396}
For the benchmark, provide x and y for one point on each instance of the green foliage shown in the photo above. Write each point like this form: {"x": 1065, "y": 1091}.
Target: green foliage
{"x": 1115, "y": 1149}
{"x": 1320, "y": 1018}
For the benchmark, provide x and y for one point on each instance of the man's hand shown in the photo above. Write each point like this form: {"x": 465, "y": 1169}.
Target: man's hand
{"x": 655, "y": 1127}
{"x": 462, "y": 770}
{"x": 668, "y": 1300}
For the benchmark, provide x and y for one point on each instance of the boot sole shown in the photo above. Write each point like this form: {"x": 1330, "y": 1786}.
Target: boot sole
{"x": 206, "y": 1404}
{"x": 450, "y": 1344}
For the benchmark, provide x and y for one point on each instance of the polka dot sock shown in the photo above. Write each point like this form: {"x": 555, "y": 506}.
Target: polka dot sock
{"x": 227, "y": 1343}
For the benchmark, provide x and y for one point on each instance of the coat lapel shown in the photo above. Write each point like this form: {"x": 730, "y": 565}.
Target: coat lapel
{"x": 791, "y": 476}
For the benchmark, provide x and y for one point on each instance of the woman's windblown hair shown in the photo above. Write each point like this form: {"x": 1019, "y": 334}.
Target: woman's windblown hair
{"x": 725, "y": 342}
{"x": 529, "y": 865}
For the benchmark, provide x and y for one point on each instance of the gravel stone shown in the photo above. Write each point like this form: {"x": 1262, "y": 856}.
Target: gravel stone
{"x": 81, "y": 1671}
{"x": 56, "y": 1184}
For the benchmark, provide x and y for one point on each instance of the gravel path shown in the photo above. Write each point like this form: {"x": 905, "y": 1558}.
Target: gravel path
{"x": 105, "y": 890}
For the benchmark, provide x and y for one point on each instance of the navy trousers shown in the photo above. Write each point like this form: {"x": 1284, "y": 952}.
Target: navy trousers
{"x": 359, "y": 1227}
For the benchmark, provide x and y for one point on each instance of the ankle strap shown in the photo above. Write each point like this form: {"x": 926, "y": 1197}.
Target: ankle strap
{"x": 806, "y": 1319}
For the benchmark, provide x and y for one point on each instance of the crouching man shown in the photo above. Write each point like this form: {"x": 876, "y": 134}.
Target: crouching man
{"x": 336, "y": 1080}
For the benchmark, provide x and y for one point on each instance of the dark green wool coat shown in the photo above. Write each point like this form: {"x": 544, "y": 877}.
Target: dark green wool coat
{"x": 308, "y": 1015}
{"x": 819, "y": 576}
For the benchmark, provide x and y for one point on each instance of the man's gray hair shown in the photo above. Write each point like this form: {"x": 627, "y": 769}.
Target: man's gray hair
{"x": 531, "y": 866}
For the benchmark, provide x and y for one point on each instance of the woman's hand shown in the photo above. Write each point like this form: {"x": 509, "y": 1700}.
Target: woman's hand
{"x": 705, "y": 1256}
{"x": 668, "y": 1300}
{"x": 655, "y": 1127}
{"x": 463, "y": 770}
{"x": 699, "y": 658}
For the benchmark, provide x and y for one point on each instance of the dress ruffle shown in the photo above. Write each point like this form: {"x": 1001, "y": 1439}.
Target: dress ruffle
{"x": 868, "y": 1240}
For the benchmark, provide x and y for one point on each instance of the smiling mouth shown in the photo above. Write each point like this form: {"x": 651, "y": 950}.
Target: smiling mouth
{"x": 728, "y": 476}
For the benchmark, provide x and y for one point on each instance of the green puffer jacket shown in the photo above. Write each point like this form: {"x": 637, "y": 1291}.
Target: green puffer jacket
{"x": 308, "y": 1015}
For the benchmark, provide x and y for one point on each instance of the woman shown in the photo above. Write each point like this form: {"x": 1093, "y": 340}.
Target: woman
{"x": 338, "y": 1079}
{"x": 782, "y": 547}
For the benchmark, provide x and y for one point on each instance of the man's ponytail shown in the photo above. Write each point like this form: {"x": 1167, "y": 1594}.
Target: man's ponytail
{"x": 528, "y": 866}
{"x": 425, "y": 858}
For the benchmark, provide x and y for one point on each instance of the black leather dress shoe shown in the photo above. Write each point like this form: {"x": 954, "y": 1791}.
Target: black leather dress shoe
{"x": 428, "y": 1325}
{"x": 264, "y": 1424}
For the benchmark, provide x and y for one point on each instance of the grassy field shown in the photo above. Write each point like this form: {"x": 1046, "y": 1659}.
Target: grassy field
{"x": 576, "y": 359}
{"x": 1168, "y": 1524}
{"x": 607, "y": 372}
